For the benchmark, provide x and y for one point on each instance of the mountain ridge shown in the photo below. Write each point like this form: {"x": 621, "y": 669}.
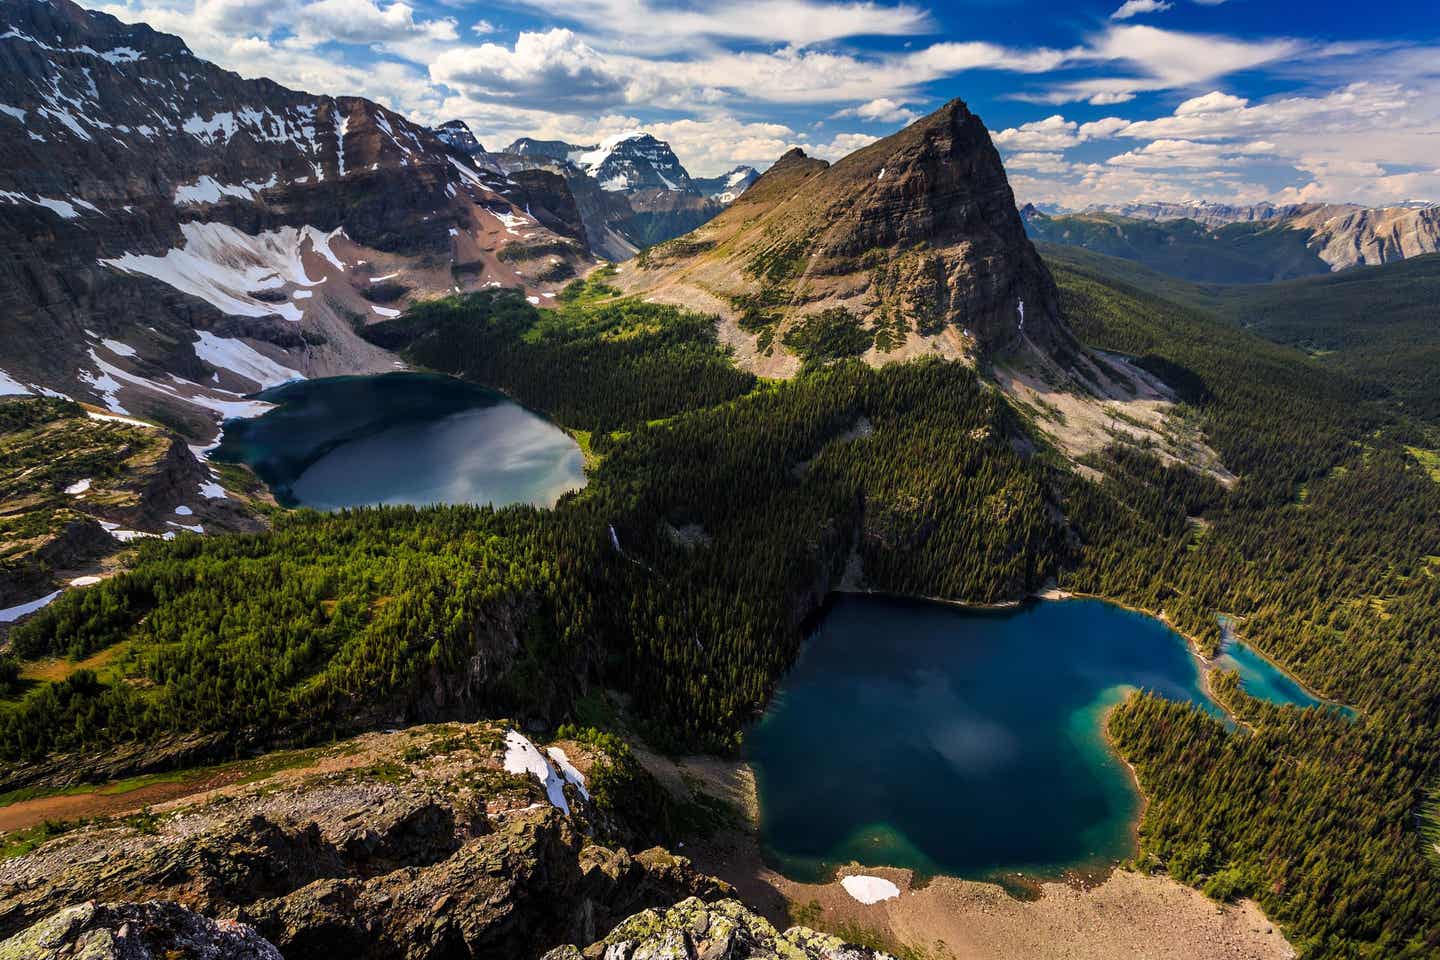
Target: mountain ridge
{"x": 1335, "y": 236}
{"x": 271, "y": 221}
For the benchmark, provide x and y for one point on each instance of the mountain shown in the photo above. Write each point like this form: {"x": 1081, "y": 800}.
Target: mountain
{"x": 1208, "y": 242}
{"x": 911, "y": 245}
{"x": 633, "y": 161}
{"x": 457, "y": 134}
{"x": 1201, "y": 211}
{"x": 729, "y": 185}
{"x": 533, "y": 149}
{"x": 631, "y": 188}
{"x": 176, "y": 236}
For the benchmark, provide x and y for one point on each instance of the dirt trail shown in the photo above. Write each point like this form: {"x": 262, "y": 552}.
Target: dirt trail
{"x": 101, "y": 803}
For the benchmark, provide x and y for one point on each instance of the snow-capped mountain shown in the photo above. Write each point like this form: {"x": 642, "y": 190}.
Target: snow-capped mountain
{"x": 178, "y": 237}
{"x": 457, "y": 134}
{"x": 631, "y": 188}
{"x": 729, "y": 185}
{"x": 633, "y": 161}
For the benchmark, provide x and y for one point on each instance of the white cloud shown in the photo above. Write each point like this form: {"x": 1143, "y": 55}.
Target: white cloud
{"x": 1162, "y": 60}
{"x": 1057, "y": 133}
{"x": 483, "y": 27}
{"x": 1133, "y": 8}
{"x": 1181, "y": 154}
{"x": 883, "y": 110}
{"x": 554, "y": 67}
{"x": 645, "y": 26}
{"x": 1052, "y": 133}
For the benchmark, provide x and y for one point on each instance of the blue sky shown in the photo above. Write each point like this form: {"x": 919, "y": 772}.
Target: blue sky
{"x": 1227, "y": 100}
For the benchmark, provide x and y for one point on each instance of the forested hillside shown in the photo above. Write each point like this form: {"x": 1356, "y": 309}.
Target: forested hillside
{"x": 1378, "y": 324}
{"x": 721, "y": 509}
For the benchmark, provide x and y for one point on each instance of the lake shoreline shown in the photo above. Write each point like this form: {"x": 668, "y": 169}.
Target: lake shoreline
{"x": 1083, "y": 915}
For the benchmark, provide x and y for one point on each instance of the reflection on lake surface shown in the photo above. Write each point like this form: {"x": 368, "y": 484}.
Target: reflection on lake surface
{"x": 402, "y": 439}
{"x": 959, "y": 741}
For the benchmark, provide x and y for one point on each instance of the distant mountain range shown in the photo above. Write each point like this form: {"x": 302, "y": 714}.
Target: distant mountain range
{"x": 631, "y": 188}
{"x": 1219, "y": 243}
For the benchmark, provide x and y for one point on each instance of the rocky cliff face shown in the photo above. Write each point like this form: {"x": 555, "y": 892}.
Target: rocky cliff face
{"x": 433, "y": 843}
{"x": 175, "y": 236}
{"x": 915, "y": 239}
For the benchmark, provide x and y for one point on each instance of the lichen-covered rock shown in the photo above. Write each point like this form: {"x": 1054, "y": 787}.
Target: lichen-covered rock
{"x": 426, "y": 849}
{"x": 136, "y": 931}
{"x": 723, "y": 930}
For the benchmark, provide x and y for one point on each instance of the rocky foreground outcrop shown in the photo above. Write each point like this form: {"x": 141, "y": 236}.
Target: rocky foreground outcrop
{"x": 136, "y": 931}
{"x": 726, "y": 930}
{"x": 418, "y": 844}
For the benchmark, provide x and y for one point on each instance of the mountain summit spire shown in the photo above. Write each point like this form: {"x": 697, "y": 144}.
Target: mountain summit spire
{"x": 915, "y": 238}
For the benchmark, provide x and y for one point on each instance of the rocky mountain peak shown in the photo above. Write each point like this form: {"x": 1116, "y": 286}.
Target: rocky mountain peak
{"x": 729, "y": 185}
{"x": 634, "y": 161}
{"x": 457, "y": 134}
{"x": 913, "y": 241}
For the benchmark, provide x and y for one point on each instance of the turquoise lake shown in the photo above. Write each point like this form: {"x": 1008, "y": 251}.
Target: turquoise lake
{"x": 1258, "y": 676}
{"x": 960, "y": 741}
{"x": 402, "y": 438}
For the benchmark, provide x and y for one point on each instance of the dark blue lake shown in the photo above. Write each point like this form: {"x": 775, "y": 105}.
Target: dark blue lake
{"x": 402, "y": 438}
{"x": 958, "y": 741}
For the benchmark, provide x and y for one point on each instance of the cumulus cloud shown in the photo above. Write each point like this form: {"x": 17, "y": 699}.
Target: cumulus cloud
{"x": 550, "y": 67}
{"x": 883, "y": 110}
{"x": 1057, "y": 133}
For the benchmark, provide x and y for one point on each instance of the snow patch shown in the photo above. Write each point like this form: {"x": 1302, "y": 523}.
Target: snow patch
{"x": 209, "y": 190}
{"x": 870, "y": 889}
{"x": 118, "y": 348}
{"x": 78, "y": 487}
{"x": 11, "y": 614}
{"x": 10, "y": 387}
{"x": 183, "y": 511}
{"x": 521, "y": 756}
{"x": 567, "y": 770}
{"x": 239, "y": 357}
{"x": 223, "y": 266}
{"x": 85, "y": 581}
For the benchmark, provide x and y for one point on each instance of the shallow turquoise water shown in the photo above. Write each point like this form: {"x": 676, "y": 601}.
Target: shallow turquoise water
{"x": 957, "y": 741}
{"x": 402, "y": 438}
{"x": 1262, "y": 679}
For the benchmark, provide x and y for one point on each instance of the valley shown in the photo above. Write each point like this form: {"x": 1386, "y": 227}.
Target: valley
{"x": 413, "y": 550}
